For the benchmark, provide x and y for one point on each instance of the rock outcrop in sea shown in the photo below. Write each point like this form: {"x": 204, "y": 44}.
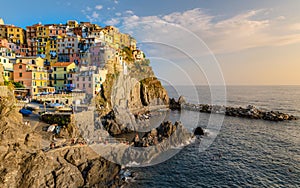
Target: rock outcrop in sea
{"x": 249, "y": 112}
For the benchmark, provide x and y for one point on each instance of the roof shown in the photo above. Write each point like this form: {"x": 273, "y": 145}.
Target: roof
{"x": 28, "y": 57}
{"x": 62, "y": 64}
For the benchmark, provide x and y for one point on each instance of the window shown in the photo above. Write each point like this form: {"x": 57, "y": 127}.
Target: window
{"x": 90, "y": 78}
{"x": 20, "y": 74}
{"x": 90, "y": 85}
{"x": 83, "y": 85}
{"x": 65, "y": 68}
{"x": 77, "y": 85}
{"x": 77, "y": 79}
{"x": 54, "y": 68}
{"x": 83, "y": 79}
{"x": 20, "y": 66}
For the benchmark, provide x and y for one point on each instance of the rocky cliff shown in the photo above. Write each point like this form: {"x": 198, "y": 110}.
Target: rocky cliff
{"x": 133, "y": 89}
{"x": 24, "y": 164}
{"x": 128, "y": 91}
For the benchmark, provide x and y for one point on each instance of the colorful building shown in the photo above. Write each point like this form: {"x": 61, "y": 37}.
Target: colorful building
{"x": 90, "y": 79}
{"x": 13, "y": 34}
{"x": 7, "y": 64}
{"x": 31, "y": 75}
{"x": 60, "y": 73}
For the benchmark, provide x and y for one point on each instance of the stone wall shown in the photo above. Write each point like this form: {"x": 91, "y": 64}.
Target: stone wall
{"x": 55, "y": 118}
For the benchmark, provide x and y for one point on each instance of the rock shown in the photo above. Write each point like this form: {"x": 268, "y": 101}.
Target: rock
{"x": 153, "y": 132}
{"x": 101, "y": 173}
{"x": 112, "y": 127}
{"x": 199, "y": 131}
{"x": 24, "y": 164}
{"x": 249, "y": 112}
{"x": 134, "y": 90}
{"x": 181, "y": 100}
{"x": 174, "y": 105}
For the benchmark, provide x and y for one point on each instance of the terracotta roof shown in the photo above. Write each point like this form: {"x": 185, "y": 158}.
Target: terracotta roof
{"x": 62, "y": 64}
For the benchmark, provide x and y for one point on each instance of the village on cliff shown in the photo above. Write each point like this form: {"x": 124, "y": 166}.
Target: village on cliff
{"x": 61, "y": 58}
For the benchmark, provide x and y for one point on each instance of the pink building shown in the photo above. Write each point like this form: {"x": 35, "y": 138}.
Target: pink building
{"x": 55, "y": 30}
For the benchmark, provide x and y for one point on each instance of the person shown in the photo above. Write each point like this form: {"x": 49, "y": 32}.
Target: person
{"x": 136, "y": 140}
{"x": 52, "y": 145}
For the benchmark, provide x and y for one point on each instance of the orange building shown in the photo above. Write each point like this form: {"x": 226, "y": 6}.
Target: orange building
{"x": 32, "y": 76}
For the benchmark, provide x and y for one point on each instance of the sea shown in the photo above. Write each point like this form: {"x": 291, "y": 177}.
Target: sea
{"x": 243, "y": 153}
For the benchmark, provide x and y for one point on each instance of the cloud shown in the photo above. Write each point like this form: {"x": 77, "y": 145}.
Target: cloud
{"x": 113, "y": 21}
{"x": 246, "y": 30}
{"x": 118, "y": 14}
{"x": 130, "y": 12}
{"x": 93, "y": 17}
{"x": 98, "y": 7}
{"x": 116, "y": 1}
{"x": 88, "y": 8}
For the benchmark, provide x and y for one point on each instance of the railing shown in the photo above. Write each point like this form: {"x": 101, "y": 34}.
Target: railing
{"x": 60, "y": 96}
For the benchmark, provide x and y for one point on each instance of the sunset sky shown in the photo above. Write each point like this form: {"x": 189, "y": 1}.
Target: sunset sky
{"x": 194, "y": 41}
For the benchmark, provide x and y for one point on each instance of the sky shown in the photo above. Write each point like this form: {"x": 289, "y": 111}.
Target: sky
{"x": 230, "y": 42}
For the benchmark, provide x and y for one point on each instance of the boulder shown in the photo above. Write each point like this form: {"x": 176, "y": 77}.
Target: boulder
{"x": 199, "y": 131}
{"x": 181, "y": 100}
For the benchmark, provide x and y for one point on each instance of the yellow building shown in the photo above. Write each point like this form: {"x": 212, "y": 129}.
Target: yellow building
{"x": 13, "y": 34}
{"x": 3, "y": 31}
{"x": 132, "y": 43}
{"x": 7, "y": 64}
{"x": 59, "y": 75}
{"x": 38, "y": 61}
{"x": 52, "y": 53}
{"x": 72, "y": 23}
{"x": 32, "y": 75}
{"x": 42, "y": 31}
{"x": 124, "y": 40}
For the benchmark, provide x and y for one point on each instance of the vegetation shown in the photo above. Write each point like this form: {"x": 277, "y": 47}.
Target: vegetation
{"x": 15, "y": 84}
{"x": 127, "y": 52}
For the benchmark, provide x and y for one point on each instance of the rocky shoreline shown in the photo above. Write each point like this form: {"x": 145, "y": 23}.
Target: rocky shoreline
{"x": 250, "y": 111}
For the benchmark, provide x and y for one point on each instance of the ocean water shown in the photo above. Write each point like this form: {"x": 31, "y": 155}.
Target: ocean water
{"x": 245, "y": 152}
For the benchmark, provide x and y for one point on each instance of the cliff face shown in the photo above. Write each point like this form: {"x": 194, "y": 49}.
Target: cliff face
{"x": 128, "y": 91}
{"x": 133, "y": 90}
{"x": 24, "y": 164}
